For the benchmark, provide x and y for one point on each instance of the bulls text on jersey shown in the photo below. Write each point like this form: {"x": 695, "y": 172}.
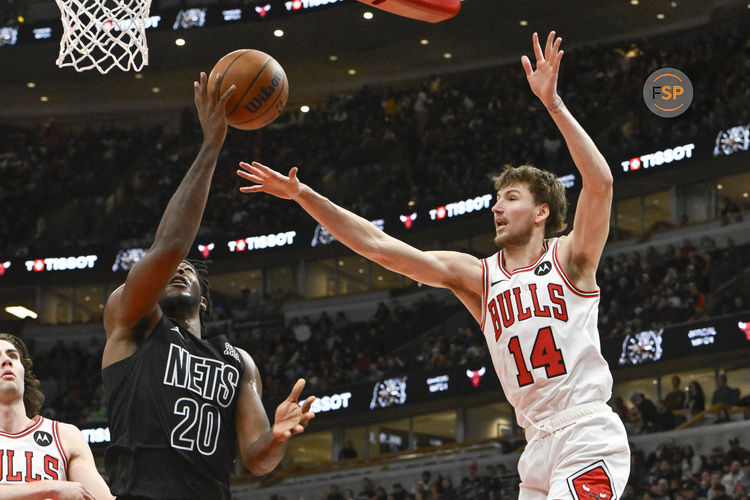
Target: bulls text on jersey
{"x": 509, "y": 306}
{"x": 16, "y": 466}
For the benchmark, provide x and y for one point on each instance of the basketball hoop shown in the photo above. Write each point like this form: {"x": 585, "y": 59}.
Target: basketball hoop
{"x": 104, "y": 34}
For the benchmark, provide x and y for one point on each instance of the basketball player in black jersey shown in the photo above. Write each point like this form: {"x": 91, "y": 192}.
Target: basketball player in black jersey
{"x": 178, "y": 404}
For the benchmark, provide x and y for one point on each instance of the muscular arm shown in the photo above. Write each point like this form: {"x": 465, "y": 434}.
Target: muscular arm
{"x": 580, "y": 251}
{"x": 81, "y": 466}
{"x": 461, "y": 273}
{"x": 261, "y": 446}
{"x": 136, "y": 301}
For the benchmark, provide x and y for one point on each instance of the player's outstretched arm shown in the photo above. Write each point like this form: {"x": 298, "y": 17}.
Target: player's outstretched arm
{"x": 263, "y": 446}
{"x": 580, "y": 251}
{"x": 459, "y": 272}
{"x": 136, "y": 301}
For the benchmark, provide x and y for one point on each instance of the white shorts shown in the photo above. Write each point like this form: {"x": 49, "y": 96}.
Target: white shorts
{"x": 586, "y": 458}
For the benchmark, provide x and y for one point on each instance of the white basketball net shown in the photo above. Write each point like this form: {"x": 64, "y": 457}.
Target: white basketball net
{"x": 103, "y": 34}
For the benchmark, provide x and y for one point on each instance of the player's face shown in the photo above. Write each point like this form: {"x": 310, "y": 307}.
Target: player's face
{"x": 514, "y": 213}
{"x": 11, "y": 369}
{"x": 183, "y": 292}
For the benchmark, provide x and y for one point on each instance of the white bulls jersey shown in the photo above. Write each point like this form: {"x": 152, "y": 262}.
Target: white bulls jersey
{"x": 33, "y": 454}
{"x": 542, "y": 335}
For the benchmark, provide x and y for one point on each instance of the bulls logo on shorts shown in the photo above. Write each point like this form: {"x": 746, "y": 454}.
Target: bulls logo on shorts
{"x": 592, "y": 483}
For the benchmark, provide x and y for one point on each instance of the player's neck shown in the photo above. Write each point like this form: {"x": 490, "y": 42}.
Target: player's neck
{"x": 13, "y": 417}
{"x": 523, "y": 255}
{"x": 192, "y": 324}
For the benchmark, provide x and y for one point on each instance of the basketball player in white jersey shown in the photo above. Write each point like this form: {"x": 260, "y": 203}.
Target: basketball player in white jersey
{"x": 41, "y": 458}
{"x": 536, "y": 300}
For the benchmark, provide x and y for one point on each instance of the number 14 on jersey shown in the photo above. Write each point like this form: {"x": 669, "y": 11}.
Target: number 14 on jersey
{"x": 544, "y": 354}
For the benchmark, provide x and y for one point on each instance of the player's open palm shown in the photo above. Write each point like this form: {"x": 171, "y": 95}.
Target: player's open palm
{"x": 269, "y": 181}
{"x": 543, "y": 79}
{"x": 291, "y": 418}
{"x": 71, "y": 490}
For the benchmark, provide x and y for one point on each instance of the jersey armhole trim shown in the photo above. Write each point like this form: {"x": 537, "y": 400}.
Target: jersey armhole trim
{"x": 567, "y": 280}
{"x": 485, "y": 291}
{"x": 60, "y": 448}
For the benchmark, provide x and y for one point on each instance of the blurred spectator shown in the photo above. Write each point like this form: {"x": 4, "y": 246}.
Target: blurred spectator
{"x": 736, "y": 452}
{"x": 724, "y": 394}
{"x": 367, "y": 491}
{"x": 664, "y": 419}
{"x": 696, "y": 400}
{"x": 646, "y": 410}
{"x": 675, "y": 400}
{"x": 347, "y": 451}
{"x": 734, "y": 476}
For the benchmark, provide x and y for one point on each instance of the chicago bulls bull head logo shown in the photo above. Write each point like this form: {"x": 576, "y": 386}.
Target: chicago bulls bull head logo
{"x": 592, "y": 483}
{"x": 408, "y": 220}
{"x": 745, "y": 327}
{"x": 476, "y": 375}
{"x": 205, "y": 250}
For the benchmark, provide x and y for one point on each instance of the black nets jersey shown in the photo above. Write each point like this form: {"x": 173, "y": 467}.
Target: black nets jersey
{"x": 171, "y": 408}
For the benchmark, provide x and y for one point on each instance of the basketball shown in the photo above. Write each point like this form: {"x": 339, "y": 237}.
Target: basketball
{"x": 261, "y": 87}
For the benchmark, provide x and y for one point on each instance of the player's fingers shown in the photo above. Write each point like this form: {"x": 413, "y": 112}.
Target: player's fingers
{"x": 264, "y": 170}
{"x": 548, "y": 45}
{"x": 228, "y": 92}
{"x": 556, "y": 46}
{"x": 558, "y": 58}
{"x": 298, "y": 429}
{"x": 307, "y": 404}
{"x": 527, "y": 66}
{"x": 245, "y": 165}
{"x": 249, "y": 176}
{"x": 296, "y": 390}
{"x": 251, "y": 189}
{"x": 293, "y": 173}
{"x": 537, "y": 48}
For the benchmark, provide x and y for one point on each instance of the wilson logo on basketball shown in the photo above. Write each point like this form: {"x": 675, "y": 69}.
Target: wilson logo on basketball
{"x": 265, "y": 93}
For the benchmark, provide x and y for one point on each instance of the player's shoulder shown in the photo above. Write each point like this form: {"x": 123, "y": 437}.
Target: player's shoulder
{"x": 71, "y": 437}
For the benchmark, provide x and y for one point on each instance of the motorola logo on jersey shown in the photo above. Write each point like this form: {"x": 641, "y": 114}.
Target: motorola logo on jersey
{"x": 42, "y": 438}
{"x": 543, "y": 268}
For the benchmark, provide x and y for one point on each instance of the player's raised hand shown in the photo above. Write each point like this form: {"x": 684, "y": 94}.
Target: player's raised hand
{"x": 543, "y": 79}
{"x": 269, "y": 181}
{"x": 211, "y": 107}
{"x": 291, "y": 418}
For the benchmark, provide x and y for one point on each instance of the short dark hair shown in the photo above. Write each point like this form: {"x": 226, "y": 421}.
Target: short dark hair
{"x": 32, "y": 396}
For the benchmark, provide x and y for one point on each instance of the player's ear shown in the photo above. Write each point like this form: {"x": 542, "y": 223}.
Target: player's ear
{"x": 204, "y": 304}
{"x": 542, "y": 212}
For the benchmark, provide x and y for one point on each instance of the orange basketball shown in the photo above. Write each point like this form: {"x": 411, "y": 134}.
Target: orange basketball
{"x": 262, "y": 87}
